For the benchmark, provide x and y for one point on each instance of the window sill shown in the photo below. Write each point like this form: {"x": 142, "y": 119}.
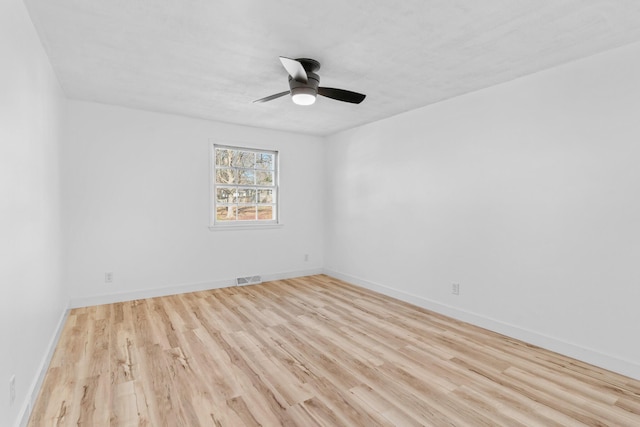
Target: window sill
{"x": 244, "y": 227}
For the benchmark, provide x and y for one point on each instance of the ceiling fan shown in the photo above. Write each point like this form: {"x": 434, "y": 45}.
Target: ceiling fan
{"x": 304, "y": 84}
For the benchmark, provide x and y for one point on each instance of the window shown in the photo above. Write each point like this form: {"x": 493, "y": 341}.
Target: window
{"x": 245, "y": 186}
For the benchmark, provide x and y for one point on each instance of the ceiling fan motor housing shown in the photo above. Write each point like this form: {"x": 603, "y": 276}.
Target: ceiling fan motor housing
{"x": 310, "y": 87}
{"x": 309, "y": 65}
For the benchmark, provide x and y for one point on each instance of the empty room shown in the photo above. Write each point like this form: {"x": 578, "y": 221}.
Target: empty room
{"x": 250, "y": 213}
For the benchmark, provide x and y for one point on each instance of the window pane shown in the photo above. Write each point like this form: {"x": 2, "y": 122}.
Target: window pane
{"x": 226, "y": 194}
{"x": 264, "y": 177}
{"x": 239, "y": 174}
{"x": 246, "y": 176}
{"x": 265, "y": 212}
{"x": 247, "y": 213}
{"x": 223, "y": 157}
{"x": 244, "y": 159}
{"x": 264, "y": 161}
{"x": 246, "y": 195}
{"x": 226, "y": 213}
{"x": 225, "y": 176}
{"x": 265, "y": 196}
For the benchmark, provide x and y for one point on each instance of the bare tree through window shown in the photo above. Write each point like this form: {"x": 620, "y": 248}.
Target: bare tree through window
{"x": 244, "y": 185}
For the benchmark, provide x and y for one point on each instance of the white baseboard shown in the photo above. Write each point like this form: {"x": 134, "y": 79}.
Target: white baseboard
{"x": 34, "y": 388}
{"x": 86, "y": 301}
{"x": 76, "y": 302}
{"x": 591, "y": 356}
{"x": 292, "y": 274}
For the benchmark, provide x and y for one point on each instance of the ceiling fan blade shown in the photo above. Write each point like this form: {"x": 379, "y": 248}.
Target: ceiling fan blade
{"x": 341, "y": 95}
{"x": 272, "y": 97}
{"x": 295, "y": 69}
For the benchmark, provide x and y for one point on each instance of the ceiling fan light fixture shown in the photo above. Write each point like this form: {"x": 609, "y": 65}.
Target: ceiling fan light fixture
{"x": 303, "y": 95}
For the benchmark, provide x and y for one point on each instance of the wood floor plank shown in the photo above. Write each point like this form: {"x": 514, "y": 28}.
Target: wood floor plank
{"x": 312, "y": 351}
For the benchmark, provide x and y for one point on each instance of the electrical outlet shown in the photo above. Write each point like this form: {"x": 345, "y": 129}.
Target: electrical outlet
{"x": 108, "y": 277}
{"x": 455, "y": 288}
{"x": 12, "y": 390}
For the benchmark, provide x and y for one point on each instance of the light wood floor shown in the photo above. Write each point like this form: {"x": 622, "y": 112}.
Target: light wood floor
{"x": 306, "y": 352}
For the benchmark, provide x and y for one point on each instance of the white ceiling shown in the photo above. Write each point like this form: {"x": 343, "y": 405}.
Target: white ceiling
{"x": 211, "y": 59}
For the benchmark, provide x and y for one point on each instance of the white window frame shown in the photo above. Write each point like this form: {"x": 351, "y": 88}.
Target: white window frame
{"x": 214, "y": 223}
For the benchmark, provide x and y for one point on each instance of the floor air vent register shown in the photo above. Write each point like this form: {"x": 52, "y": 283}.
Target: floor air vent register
{"x": 249, "y": 280}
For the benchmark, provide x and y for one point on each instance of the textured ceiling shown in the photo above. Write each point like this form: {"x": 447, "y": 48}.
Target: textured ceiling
{"x": 211, "y": 59}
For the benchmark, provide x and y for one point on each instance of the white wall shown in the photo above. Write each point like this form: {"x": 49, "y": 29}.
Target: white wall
{"x": 32, "y": 301}
{"x": 136, "y": 203}
{"x": 526, "y": 194}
